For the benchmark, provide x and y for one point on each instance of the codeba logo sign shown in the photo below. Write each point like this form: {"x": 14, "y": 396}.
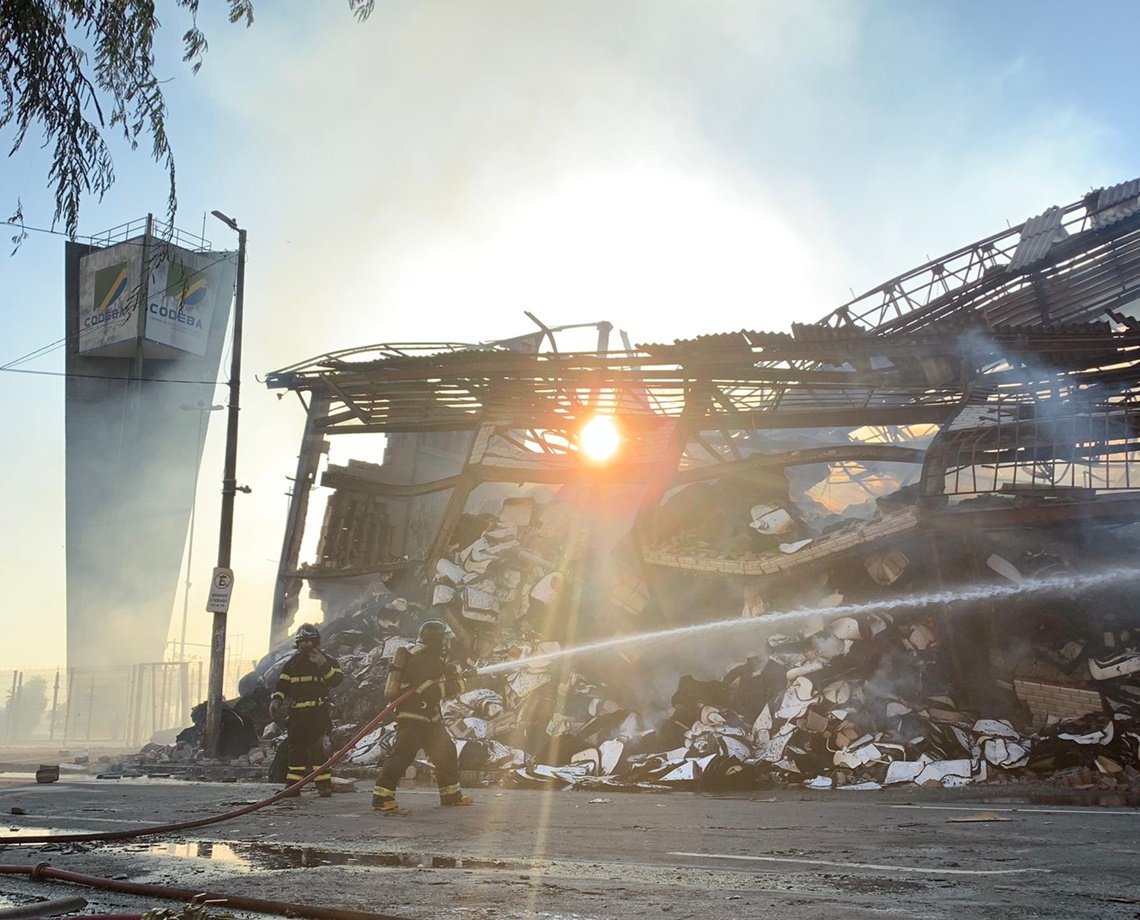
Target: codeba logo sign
{"x": 110, "y": 286}
{"x": 186, "y": 287}
{"x": 183, "y": 291}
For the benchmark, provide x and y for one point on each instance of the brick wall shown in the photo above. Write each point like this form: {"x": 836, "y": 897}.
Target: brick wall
{"x": 1056, "y": 701}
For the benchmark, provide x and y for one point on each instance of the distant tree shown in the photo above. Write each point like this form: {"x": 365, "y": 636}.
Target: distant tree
{"x": 74, "y": 70}
{"x": 25, "y": 709}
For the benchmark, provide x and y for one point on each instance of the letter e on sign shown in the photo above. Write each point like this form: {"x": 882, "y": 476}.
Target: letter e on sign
{"x": 221, "y": 587}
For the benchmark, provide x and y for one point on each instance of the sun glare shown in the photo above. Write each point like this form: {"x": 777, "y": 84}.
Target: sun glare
{"x": 599, "y": 438}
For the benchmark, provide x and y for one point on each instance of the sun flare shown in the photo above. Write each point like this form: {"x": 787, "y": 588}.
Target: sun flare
{"x": 599, "y": 438}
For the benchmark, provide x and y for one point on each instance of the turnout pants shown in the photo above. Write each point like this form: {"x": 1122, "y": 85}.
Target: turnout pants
{"x": 411, "y": 736}
{"x": 307, "y": 728}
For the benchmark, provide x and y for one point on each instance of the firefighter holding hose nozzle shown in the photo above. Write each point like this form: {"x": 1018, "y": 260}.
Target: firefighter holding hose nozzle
{"x": 302, "y": 695}
{"x": 418, "y": 722}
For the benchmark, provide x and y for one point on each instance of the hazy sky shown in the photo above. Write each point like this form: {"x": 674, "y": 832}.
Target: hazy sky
{"x": 674, "y": 167}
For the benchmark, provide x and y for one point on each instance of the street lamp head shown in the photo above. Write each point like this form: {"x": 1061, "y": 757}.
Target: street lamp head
{"x": 228, "y": 221}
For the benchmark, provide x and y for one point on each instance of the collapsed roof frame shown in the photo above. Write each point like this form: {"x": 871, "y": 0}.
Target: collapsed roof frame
{"x": 977, "y": 326}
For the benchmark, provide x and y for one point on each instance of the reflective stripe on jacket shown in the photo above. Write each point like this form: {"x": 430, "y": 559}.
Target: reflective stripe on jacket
{"x": 306, "y": 685}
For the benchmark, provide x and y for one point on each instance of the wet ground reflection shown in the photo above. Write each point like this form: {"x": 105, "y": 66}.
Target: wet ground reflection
{"x": 267, "y": 856}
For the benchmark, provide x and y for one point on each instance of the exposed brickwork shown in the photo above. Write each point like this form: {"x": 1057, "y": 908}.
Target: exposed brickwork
{"x": 1057, "y": 701}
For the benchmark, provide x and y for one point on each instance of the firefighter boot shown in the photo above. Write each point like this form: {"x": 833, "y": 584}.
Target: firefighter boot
{"x": 456, "y": 798}
{"x": 324, "y": 788}
{"x": 384, "y": 800}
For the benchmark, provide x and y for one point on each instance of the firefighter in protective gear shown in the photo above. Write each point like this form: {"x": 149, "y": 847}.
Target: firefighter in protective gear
{"x": 302, "y": 691}
{"x": 418, "y": 724}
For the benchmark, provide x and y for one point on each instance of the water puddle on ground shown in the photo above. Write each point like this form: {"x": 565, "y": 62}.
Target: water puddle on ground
{"x": 16, "y": 832}
{"x": 252, "y": 856}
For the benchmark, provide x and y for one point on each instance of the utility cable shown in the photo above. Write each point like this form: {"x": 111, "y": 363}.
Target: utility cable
{"x": 128, "y": 314}
{"x": 35, "y": 353}
{"x": 28, "y": 370}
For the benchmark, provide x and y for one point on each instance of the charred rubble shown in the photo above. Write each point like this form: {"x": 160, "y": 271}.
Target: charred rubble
{"x": 851, "y": 691}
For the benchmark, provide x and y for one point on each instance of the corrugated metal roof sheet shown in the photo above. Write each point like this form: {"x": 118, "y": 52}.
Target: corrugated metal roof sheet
{"x": 1116, "y": 203}
{"x": 768, "y": 339}
{"x": 1037, "y": 238}
{"x": 814, "y": 332}
{"x": 725, "y": 340}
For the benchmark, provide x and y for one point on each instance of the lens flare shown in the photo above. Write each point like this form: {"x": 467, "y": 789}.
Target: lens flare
{"x": 599, "y": 438}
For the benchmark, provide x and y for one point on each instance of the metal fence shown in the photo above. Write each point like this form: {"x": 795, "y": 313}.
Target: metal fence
{"x": 132, "y": 704}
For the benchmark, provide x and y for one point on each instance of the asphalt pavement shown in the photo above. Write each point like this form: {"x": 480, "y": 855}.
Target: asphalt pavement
{"x": 994, "y": 852}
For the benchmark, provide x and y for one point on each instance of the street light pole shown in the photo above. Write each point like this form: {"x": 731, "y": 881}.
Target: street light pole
{"x": 229, "y": 489}
{"x": 201, "y": 408}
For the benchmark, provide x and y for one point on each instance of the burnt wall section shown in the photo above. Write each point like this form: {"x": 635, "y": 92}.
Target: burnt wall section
{"x": 356, "y": 531}
{"x": 414, "y": 459}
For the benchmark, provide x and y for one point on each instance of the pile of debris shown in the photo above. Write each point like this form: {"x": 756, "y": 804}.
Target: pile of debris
{"x": 857, "y": 704}
{"x": 831, "y": 701}
{"x": 852, "y": 703}
{"x": 841, "y": 701}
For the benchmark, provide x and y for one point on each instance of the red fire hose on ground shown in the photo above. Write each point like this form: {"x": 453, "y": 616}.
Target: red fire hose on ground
{"x": 236, "y": 902}
{"x": 229, "y": 815}
{"x": 42, "y": 908}
{"x": 239, "y": 902}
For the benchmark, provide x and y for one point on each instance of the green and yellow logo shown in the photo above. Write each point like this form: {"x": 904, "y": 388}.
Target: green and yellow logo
{"x": 186, "y": 286}
{"x": 110, "y": 285}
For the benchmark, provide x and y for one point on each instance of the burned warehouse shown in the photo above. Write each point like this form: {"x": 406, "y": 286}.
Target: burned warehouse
{"x": 893, "y": 546}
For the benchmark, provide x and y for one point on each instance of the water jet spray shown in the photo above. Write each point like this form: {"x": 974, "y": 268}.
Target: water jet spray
{"x": 968, "y": 595}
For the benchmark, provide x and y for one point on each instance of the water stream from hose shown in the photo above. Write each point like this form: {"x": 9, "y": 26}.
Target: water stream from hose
{"x": 949, "y": 598}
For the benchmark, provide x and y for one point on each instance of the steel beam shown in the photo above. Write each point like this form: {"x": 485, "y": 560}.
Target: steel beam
{"x": 288, "y": 586}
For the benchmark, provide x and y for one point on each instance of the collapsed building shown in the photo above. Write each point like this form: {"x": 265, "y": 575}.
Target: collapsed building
{"x": 895, "y": 545}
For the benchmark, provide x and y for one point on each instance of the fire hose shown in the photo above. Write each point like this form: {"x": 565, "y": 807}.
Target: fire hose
{"x": 237, "y": 902}
{"x": 240, "y": 902}
{"x": 229, "y": 815}
{"x": 42, "y": 908}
